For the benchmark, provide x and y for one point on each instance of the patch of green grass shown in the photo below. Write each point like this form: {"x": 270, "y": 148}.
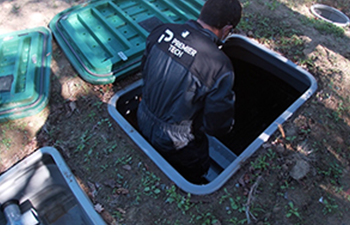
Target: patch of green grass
{"x": 6, "y": 142}
{"x": 292, "y": 47}
{"x": 333, "y": 171}
{"x": 329, "y": 206}
{"x": 306, "y": 61}
{"x": 151, "y": 183}
{"x": 296, "y": 3}
{"x": 124, "y": 160}
{"x": 260, "y": 163}
{"x": 245, "y": 3}
{"x": 323, "y": 27}
{"x": 272, "y": 5}
{"x": 88, "y": 155}
{"x": 237, "y": 221}
{"x": 5, "y": 132}
{"x": 182, "y": 202}
{"x": 104, "y": 167}
{"x": 15, "y": 8}
{"x": 83, "y": 141}
{"x": 234, "y": 203}
{"x": 204, "y": 218}
{"x": 105, "y": 121}
{"x": 265, "y": 27}
{"x": 118, "y": 215}
{"x": 246, "y": 24}
{"x": 291, "y": 139}
{"x": 292, "y": 211}
{"x": 110, "y": 148}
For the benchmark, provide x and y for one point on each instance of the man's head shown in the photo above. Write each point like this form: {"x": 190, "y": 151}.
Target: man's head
{"x": 221, "y": 15}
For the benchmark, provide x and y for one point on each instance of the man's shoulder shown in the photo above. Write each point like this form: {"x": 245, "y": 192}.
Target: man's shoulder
{"x": 165, "y": 26}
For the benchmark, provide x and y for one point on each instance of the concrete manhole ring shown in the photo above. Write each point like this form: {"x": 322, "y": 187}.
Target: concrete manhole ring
{"x": 330, "y": 15}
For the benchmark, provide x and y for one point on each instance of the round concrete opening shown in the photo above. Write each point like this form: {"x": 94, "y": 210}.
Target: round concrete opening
{"x": 330, "y": 14}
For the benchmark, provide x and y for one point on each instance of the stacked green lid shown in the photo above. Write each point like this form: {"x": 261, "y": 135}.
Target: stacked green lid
{"x": 104, "y": 40}
{"x": 25, "y": 58}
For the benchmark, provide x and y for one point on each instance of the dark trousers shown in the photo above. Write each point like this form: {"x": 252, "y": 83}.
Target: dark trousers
{"x": 192, "y": 161}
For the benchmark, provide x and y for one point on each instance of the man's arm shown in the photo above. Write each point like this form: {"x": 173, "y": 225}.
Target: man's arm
{"x": 219, "y": 107}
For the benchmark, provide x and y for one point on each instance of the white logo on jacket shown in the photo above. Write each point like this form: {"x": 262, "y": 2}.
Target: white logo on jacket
{"x": 185, "y": 33}
{"x": 177, "y": 47}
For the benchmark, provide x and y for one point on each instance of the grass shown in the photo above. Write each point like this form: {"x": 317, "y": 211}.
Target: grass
{"x": 330, "y": 206}
{"x": 272, "y": 5}
{"x": 291, "y": 210}
{"x": 8, "y": 128}
{"x": 4, "y": 139}
{"x": 15, "y": 8}
{"x": 204, "y": 218}
{"x": 83, "y": 141}
{"x": 263, "y": 162}
{"x": 333, "y": 170}
{"x": 323, "y": 27}
{"x": 265, "y": 27}
{"x": 151, "y": 184}
{"x": 183, "y": 203}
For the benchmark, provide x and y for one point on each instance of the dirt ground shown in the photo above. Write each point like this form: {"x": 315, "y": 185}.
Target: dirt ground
{"x": 299, "y": 176}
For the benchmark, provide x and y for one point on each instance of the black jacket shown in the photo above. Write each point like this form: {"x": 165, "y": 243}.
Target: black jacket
{"x": 187, "y": 89}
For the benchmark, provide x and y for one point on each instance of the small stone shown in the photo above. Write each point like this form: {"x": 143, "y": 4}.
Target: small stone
{"x": 300, "y": 170}
{"x": 127, "y": 167}
{"x": 250, "y": 34}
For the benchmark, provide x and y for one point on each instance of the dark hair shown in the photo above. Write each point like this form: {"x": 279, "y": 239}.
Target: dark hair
{"x": 218, "y": 13}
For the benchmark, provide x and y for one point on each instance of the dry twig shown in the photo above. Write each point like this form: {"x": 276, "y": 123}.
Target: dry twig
{"x": 249, "y": 201}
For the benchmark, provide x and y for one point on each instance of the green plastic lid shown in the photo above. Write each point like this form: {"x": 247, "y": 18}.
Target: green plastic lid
{"x": 105, "y": 39}
{"x": 25, "y": 58}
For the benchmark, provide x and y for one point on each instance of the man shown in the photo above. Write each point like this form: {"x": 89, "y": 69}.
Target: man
{"x": 187, "y": 89}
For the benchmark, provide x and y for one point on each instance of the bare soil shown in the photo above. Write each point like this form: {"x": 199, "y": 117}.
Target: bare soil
{"x": 300, "y": 176}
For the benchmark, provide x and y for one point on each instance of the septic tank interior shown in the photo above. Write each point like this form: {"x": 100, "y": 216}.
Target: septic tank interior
{"x": 42, "y": 190}
{"x": 269, "y": 89}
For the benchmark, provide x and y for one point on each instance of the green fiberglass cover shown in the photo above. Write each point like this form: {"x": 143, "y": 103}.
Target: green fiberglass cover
{"x": 25, "y": 58}
{"x": 105, "y": 39}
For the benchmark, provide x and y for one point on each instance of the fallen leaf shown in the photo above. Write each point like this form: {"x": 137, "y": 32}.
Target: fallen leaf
{"x": 109, "y": 218}
{"x": 244, "y": 180}
{"x": 111, "y": 183}
{"x": 281, "y": 131}
{"x": 122, "y": 211}
{"x": 99, "y": 208}
{"x": 93, "y": 191}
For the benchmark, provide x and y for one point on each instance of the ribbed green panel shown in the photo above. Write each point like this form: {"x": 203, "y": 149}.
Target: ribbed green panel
{"x": 25, "y": 58}
{"x": 105, "y": 39}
